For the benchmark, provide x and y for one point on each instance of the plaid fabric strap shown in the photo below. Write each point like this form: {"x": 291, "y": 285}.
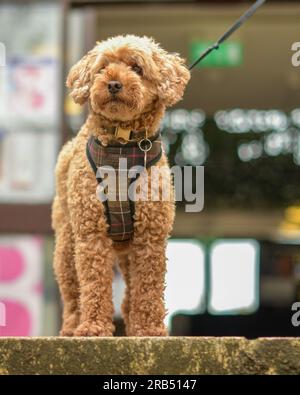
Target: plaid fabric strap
{"x": 119, "y": 208}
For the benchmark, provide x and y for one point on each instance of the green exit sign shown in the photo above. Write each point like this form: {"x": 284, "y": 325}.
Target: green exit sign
{"x": 229, "y": 54}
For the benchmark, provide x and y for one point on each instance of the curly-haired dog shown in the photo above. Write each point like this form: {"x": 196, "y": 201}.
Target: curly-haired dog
{"x": 128, "y": 82}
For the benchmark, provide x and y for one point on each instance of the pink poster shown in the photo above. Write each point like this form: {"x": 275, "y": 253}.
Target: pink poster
{"x": 32, "y": 88}
{"x": 20, "y": 285}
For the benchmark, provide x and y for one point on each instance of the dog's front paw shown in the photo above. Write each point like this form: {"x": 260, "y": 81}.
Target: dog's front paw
{"x": 145, "y": 332}
{"x": 91, "y": 329}
{"x": 69, "y": 326}
{"x": 66, "y": 332}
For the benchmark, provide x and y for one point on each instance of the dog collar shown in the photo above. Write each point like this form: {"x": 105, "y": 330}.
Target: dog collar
{"x": 125, "y": 135}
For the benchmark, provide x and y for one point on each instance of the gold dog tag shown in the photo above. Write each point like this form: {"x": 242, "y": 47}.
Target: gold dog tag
{"x": 123, "y": 134}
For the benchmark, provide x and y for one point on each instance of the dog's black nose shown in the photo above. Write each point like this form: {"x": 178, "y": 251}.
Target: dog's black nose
{"x": 114, "y": 86}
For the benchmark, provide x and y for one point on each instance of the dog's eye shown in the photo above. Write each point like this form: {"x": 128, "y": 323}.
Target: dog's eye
{"x": 137, "y": 69}
{"x": 101, "y": 69}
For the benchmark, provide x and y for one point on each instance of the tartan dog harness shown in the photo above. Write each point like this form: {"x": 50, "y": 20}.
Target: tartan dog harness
{"x": 119, "y": 211}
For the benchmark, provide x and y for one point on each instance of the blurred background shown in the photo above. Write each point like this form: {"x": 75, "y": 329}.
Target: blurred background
{"x": 234, "y": 268}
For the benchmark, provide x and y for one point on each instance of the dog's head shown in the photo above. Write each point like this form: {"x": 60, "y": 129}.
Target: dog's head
{"x": 124, "y": 76}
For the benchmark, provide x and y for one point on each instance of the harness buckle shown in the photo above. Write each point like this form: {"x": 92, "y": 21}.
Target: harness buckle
{"x": 122, "y": 134}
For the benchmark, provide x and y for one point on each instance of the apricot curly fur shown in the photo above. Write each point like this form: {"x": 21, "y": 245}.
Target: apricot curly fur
{"x": 84, "y": 253}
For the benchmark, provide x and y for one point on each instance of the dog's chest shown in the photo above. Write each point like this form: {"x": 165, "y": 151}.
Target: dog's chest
{"x": 116, "y": 167}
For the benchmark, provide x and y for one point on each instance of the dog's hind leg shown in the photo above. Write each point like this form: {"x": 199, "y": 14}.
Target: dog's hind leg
{"x": 125, "y": 270}
{"x": 64, "y": 268}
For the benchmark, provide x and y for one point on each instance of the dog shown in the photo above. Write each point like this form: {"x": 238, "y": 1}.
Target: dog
{"x": 128, "y": 82}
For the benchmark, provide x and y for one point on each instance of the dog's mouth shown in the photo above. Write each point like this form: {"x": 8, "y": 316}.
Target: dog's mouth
{"x": 117, "y": 103}
{"x": 114, "y": 99}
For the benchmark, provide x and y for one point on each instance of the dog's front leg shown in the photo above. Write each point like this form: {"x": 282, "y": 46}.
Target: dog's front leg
{"x": 147, "y": 310}
{"x": 94, "y": 257}
{"x": 148, "y": 268}
{"x": 94, "y": 263}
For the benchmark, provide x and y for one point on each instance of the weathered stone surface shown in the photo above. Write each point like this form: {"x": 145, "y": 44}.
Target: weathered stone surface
{"x": 173, "y": 355}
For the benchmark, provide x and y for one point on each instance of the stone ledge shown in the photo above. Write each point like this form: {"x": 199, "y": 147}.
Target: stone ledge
{"x": 173, "y": 355}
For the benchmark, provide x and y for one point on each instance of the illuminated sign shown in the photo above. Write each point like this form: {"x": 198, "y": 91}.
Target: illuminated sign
{"x": 229, "y": 54}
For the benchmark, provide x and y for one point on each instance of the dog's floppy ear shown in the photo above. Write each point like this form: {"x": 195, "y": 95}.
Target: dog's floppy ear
{"x": 79, "y": 77}
{"x": 174, "y": 76}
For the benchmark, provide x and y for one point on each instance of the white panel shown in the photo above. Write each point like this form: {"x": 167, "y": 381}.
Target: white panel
{"x": 185, "y": 277}
{"x": 234, "y": 276}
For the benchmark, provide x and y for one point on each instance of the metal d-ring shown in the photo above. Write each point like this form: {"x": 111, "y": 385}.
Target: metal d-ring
{"x": 148, "y": 145}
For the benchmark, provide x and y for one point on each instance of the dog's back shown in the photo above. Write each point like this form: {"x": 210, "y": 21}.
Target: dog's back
{"x": 60, "y": 206}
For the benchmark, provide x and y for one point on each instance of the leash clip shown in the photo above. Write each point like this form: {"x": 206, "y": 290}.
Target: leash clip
{"x": 145, "y": 144}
